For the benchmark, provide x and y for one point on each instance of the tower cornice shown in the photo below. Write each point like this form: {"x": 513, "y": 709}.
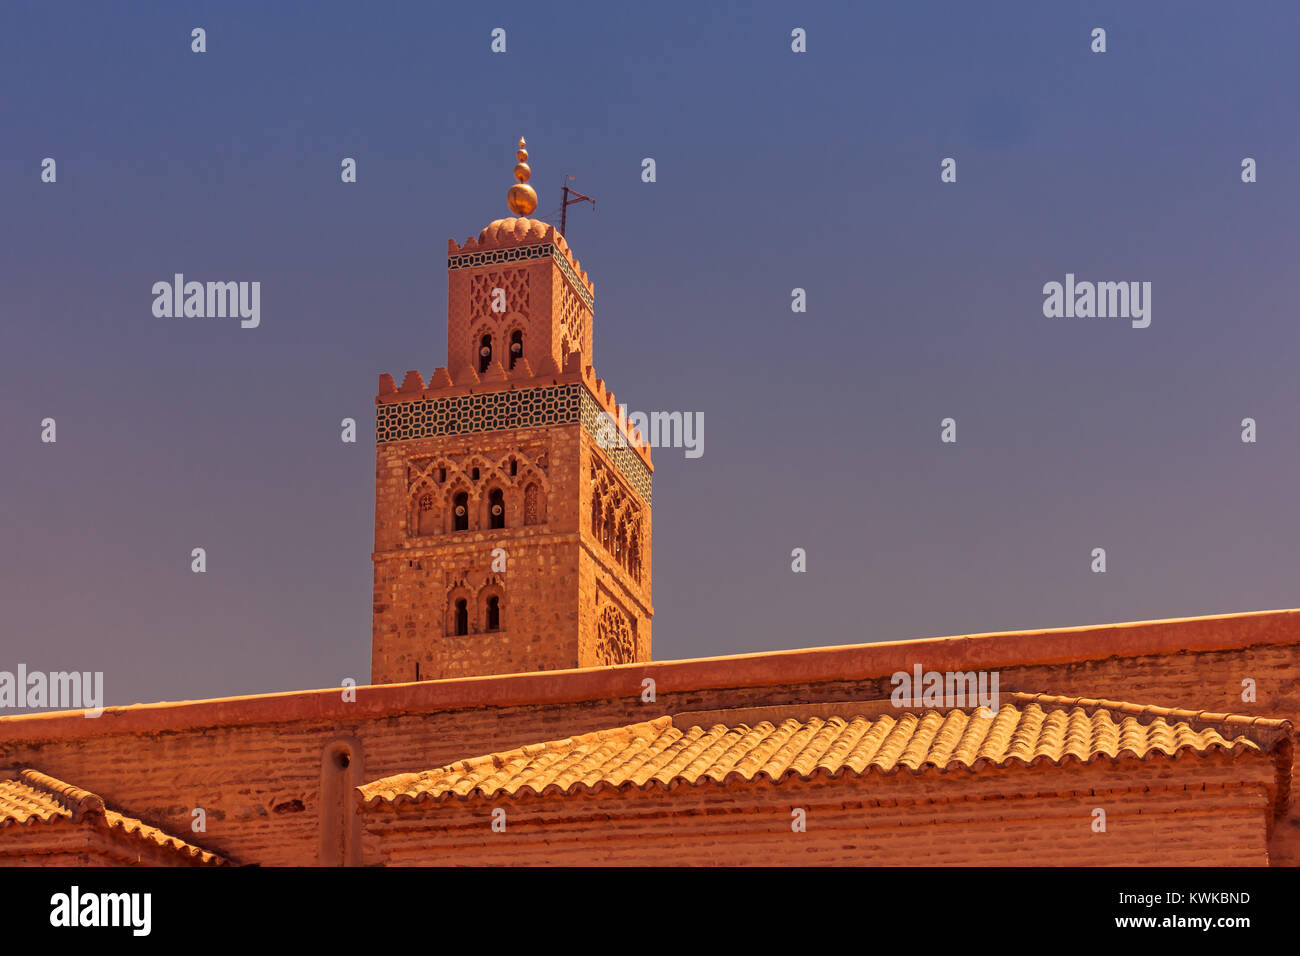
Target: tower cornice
{"x": 519, "y": 240}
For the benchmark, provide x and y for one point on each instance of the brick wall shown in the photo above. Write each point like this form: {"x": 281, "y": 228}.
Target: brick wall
{"x": 251, "y": 762}
{"x": 418, "y": 576}
{"x": 1211, "y": 811}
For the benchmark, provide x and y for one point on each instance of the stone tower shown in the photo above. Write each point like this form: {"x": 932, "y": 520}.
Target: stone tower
{"x": 512, "y": 512}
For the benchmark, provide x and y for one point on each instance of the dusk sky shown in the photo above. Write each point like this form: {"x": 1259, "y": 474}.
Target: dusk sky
{"x": 775, "y": 170}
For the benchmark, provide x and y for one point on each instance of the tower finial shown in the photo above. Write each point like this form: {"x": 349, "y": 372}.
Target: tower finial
{"x": 522, "y": 198}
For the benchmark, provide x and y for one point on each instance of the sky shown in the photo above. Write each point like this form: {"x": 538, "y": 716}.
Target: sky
{"x": 775, "y": 170}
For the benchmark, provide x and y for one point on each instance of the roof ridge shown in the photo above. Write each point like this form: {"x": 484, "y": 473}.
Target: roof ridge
{"x": 1272, "y": 727}
{"x": 82, "y": 803}
{"x": 90, "y": 808}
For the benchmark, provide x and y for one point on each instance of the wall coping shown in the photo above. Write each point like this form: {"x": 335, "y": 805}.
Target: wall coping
{"x": 988, "y": 651}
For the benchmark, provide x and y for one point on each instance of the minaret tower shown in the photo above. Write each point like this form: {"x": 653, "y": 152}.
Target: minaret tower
{"x": 512, "y": 513}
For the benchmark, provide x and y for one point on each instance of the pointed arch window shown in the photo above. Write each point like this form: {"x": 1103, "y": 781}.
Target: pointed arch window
{"x": 484, "y": 353}
{"x": 460, "y": 511}
{"x": 496, "y": 509}
{"x": 493, "y": 616}
{"x": 461, "y": 623}
{"x": 516, "y": 346}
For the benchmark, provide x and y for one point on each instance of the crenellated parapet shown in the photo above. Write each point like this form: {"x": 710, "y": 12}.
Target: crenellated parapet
{"x": 521, "y": 379}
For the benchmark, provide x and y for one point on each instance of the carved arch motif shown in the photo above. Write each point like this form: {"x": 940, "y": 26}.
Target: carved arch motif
{"x": 444, "y": 476}
{"x": 614, "y": 641}
{"x": 616, "y": 520}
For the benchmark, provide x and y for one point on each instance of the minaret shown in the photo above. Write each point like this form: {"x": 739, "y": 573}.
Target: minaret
{"x": 511, "y": 533}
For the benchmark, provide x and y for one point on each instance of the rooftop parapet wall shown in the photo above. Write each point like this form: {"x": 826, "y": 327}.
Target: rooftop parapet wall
{"x": 234, "y": 754}
{"x": 830, "y": 665}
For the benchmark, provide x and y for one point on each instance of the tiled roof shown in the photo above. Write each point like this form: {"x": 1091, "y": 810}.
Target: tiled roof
{"x": 1035, "y": 730}
{"x": 31, "y": 798}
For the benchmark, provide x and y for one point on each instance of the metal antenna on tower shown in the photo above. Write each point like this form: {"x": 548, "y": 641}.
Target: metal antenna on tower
{"x": 564, "y": 207}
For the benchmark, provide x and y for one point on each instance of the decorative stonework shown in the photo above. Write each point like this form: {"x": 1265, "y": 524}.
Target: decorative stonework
{"x": 615, "y": 520}
{"x": 573, "y": 320}
{"x": 540, "y": 250}
{"x": 514, "y": 408}
{"x": 514, "y": 282}
{"x": 466, "y": 586}
{"x": 495, "y": 451}
{"x": 614, "y": 641}
{"x": 629, "y": 464}
{"x": 434, "y": 483}
{"x": 489, "y": 411}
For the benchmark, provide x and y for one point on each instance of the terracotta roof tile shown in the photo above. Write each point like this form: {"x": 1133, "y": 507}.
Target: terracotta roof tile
{"x": 31, "y": 798}
{"x": 655, "y": 754}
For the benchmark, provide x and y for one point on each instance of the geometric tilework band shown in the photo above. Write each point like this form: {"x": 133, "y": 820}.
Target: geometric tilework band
{"x": 629, "y": 464}
{"x": 497, "y": 411}
{"x": 520, "y": 254}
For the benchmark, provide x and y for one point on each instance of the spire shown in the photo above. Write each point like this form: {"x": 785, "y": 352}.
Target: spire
{"x": 522, "y": 198}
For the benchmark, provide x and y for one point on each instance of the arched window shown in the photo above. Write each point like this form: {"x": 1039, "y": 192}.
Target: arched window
{"x": 516, "y": 346}
{"x": 595, "y": 514}
{"x": 493, "y": 622}
{"x": 496, "y": 509}
{"x": 428, "y": 517}
{"x": 460, "y": 511}
{"x": 462, "y": 616}
{"x": 484, "y": 353}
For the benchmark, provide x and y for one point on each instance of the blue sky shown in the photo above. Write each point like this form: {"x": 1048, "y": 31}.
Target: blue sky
{"x": 775, "y": 170}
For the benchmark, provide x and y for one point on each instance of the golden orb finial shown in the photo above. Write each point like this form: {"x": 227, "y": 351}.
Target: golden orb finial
{"x": 522, "y": 198}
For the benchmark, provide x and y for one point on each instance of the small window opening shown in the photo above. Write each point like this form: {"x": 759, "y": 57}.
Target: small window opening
{"x": 496, "y": 509}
